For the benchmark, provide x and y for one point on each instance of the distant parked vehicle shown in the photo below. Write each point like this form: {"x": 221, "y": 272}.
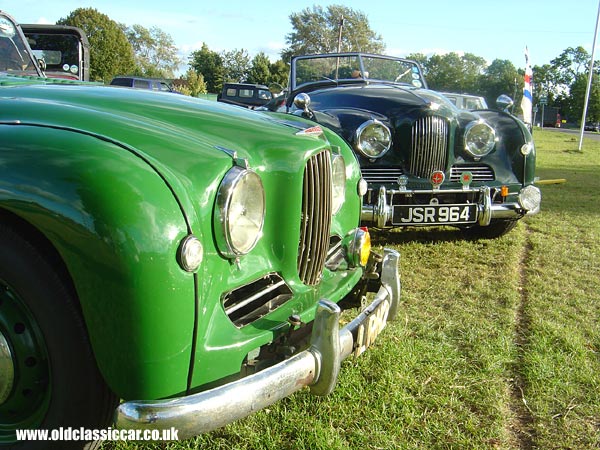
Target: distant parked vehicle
{"x": 154, "y": 84}
{"x": 466, "y": 101}
{"x": 245, "y": 94}
{"x": 592, "y": 126}
{"x": 64, "y": 50}
{"x": 549, "y": 116}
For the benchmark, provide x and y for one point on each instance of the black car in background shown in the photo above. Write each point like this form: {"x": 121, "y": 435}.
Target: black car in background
{"x": 64, "y": 50}
{"x": 245, "y": 94}
{"x": 427, "y": 163}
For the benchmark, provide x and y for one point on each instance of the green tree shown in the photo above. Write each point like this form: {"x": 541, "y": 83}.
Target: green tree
{"x": 210, "y": 64}
{"x": 110, "y": 52}
{"x": 260, "y": 69}
{"x": 455, "y": 73}
{"x": 236, "y": 65}
{"x": 501, "y": 77}
{"x": 317, "y": 30}
{"x": 155, "y": 51}
{"x": 570, "y": 64}
{"x": 280, "y": 72}
{"x": 193, "y": 84}
{"x": 577, "y": 96}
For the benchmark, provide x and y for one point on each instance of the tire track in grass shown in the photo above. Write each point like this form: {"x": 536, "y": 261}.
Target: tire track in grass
{"x": 522, "y": 424}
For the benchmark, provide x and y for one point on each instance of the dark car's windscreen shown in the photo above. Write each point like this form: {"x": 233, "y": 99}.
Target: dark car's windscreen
{"x": 356, "y": 67}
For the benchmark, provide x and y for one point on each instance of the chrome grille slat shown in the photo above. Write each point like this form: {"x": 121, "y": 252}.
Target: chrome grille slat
{"x": 480, "y": 172}
{"x": 381, "y": 175}
{"x": 255, "y": 299}
{"x": 429, "y": 146}
{"x": 316, "y": 218}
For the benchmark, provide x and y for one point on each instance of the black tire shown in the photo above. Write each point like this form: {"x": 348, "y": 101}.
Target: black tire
{"x": 56, "y": 380}
{"x": 495, "y": 229}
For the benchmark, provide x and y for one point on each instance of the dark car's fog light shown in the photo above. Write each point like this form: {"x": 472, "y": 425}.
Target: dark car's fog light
{"x": 530, "y": 199}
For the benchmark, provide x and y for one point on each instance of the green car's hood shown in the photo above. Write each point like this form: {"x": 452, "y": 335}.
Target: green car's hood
{"x": 154, "y": 123}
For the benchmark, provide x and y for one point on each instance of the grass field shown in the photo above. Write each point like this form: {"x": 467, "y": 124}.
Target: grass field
{"x": 497, "y": 345}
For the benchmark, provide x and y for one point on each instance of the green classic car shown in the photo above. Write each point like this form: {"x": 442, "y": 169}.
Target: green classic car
{"x": 171, "y": 262}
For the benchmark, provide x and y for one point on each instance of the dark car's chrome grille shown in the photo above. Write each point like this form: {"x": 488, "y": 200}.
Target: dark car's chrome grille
{"x": 381, "y": 175}
{"x": 480, "y": 172}
{"x": 429, "y": 147}
{"x": 316, "y": 218}
{"x": 253, "y": 300}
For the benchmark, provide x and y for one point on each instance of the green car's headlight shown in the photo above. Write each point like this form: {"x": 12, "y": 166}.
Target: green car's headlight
{"x": 373, "y": 139}
{"x": 240, "y": 212}
{"x": 338, "y": 170}
{"x": 480, "y": 139}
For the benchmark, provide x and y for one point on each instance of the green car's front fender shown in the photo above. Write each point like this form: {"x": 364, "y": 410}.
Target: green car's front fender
{"x": 117, "y": 226}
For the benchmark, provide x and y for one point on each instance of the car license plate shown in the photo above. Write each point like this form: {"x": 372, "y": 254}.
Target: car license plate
{"x": 369, "y": 330}
{"x": 434, "y": 214}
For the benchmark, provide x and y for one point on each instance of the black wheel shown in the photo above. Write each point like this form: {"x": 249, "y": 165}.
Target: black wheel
{"x": 48, "y": 375}
{"x": 494, "y": 230}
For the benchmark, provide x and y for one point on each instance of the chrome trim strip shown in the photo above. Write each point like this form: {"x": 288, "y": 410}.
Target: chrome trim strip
{"x": 250, "y": 299}
{"x": 317, "y": 367}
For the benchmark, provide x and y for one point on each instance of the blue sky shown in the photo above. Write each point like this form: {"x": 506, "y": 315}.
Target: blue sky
{"x": 487, "y": 28}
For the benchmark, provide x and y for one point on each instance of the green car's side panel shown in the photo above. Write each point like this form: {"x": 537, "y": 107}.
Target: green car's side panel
{"x": 117, "y": 228}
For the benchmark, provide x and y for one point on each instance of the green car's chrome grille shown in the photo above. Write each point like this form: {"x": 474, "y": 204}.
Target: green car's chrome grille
{"x": 429, "y": 146}
{"x": 316, "y": 218}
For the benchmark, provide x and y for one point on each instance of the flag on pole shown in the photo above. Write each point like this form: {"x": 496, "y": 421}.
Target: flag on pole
{"x": 527, "y": 100}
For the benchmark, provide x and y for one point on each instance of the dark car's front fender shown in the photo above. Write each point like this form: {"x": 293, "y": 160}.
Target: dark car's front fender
{"x": 513, "y": 136}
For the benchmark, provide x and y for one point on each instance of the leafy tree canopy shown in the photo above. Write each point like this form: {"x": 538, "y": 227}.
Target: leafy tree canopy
{"x": 453, "y": 72}
{"x": 210, "y": 64}
{"x": 236, "y": 65}
{"x": 317, "y": 30}
{"x": 155, "y": 51}
{"x": 110, "y": 52}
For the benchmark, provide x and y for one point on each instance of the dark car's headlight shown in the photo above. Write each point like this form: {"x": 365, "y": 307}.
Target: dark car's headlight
{"x": 480, "y": 139}
{"x": 373, "y": 139}
{"x": 338, "y": 170}
{"x": 240, "y": 212}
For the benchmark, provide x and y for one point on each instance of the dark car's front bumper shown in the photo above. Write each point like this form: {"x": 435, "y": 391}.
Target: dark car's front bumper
{"x": 380, "y": 213}
{"x": 317, "y": 367}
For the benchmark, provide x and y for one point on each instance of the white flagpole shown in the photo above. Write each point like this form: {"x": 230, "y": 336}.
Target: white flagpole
{"x": 589, "y": 83}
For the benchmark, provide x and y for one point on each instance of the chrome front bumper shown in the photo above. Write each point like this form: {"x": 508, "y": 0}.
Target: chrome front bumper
{"x": 316, "y": 367}
{"x": 380, "y": 214}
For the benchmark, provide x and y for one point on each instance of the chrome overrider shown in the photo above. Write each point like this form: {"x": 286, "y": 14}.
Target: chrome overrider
{"x": 316, "y": 367}
{"x": 380, "y": 214}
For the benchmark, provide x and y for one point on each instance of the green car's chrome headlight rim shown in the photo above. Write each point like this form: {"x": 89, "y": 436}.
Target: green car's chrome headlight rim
{"x": 240, "y": 212}
{"x": 338, "y": 178}
{"x": 480, "y": 139}
{"x": 373, "y": 139}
